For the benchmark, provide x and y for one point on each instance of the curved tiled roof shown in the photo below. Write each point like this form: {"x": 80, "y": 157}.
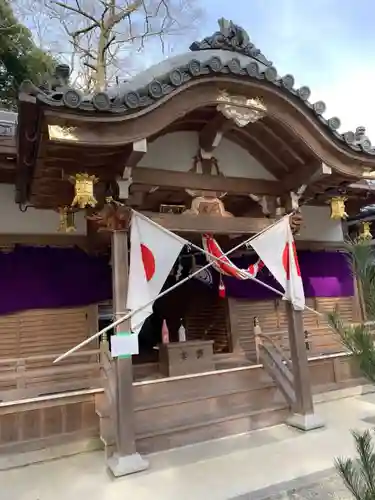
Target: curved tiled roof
{"x": 227, "y": 52}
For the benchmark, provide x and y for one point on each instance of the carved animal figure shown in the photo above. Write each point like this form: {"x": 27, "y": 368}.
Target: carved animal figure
{"x": 234, "y": 33}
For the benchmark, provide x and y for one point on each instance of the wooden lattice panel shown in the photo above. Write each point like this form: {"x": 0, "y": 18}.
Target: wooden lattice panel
{"x": 323, "y": 341}
{"x": 347, "y": 309}
{"x": 9, "y": 336}
{"x": 242, "y": 322}
{"x": 50, "y": 331}
{"x": 344, "y": 305}
{"x": 264, "y": 310}
{"x": 310, "y": 319}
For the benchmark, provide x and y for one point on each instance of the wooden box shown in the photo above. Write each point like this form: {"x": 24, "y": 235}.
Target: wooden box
{"x": 183, "y": 358}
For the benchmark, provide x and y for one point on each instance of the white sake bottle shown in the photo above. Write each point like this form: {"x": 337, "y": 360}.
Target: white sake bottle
{"x": 181, "y": 333}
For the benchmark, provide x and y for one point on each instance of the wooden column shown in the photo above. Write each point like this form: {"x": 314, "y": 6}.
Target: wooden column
{"x": 125, "y": 432}
{"x": 298, "y": 354}
{"x": 304, "y": 417}
{"x": 115, "y": 218}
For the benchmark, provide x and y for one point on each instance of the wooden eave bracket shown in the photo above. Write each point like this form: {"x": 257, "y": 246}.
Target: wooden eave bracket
{"x": 137, "y": 152}
{"x": 135, "y": 155}
{"x": 305, "y": 177}
{"x": 213, "y": 132}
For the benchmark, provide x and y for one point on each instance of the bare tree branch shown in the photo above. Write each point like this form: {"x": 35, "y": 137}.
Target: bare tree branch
{"x": 77, "y": 10}
{"x": 104, "y": 39}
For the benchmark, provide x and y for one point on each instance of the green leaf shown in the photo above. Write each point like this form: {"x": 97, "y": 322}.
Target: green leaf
{"x": 20, "y": 58}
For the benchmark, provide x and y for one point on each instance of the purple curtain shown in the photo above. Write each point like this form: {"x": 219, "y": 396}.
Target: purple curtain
{"x": 34, "y": 277}
{"x": 324, "y": 274}
{"x": 44, "y": 277}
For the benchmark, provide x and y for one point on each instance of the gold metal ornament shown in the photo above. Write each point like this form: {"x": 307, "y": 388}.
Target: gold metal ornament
{"x": 84, "y": 190}
{"x": 365, "y": 233}
{"x": 338, "y": 208}
{"x": 67, "y": 223}
{"x": 241, "y": 109}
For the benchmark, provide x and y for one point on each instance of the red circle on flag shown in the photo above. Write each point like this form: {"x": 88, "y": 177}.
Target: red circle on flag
{"x": 285, "y": 259}
{"x": 148, "y": 260}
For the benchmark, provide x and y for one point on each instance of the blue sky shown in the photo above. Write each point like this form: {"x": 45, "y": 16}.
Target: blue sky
{"x": 328, "y": 45}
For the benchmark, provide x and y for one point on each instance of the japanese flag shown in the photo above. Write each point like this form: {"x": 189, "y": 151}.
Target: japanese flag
{"x": 277, "y": 249}
{"x": 153, "y": 252}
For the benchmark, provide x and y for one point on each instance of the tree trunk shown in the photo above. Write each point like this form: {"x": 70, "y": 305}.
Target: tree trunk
{"x": 101, "y": 64}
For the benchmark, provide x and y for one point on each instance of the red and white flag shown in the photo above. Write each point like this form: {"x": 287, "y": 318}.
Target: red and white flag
{"x": 153, "y": 252}
{"x": 277, "y": 250}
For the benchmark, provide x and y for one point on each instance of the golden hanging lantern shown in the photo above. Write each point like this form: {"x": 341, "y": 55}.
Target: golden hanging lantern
{"x": 338, "y": 208}
{"x": 365, "y": 234}
{"x": 67, "y": 223}
{"x": 84, "y": 190}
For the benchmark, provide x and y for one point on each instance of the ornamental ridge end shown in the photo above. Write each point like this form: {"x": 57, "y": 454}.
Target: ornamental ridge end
{"x": 233, "y": 38}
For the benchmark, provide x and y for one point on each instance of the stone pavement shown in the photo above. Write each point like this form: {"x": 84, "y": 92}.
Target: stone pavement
{"x": 254, "y": 466}
{"x": 322, "y": 486}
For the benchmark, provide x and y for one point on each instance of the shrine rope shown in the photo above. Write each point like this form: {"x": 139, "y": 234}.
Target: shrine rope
{"x": 224, "y": 266}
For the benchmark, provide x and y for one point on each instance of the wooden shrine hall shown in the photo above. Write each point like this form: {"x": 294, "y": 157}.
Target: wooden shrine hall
{"x": 211, "y": 141}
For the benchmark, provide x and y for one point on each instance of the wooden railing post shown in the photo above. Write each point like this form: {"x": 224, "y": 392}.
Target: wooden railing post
{"x": 257, "y": 338}
{"x": 21, "y": 373}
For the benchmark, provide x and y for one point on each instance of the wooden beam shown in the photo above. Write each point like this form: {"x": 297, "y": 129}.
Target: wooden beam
{"x": 281, "y": 141}
{"x": 306, "y": 176}
{"x": 212, "y": 133}
{"x": 183, "y": 180}
{"x": 251, "y": 138}
{"x": 136, "y": 153}
{"x": 209, "y": 224}
{"x": 362, "y": 186}
{"x": 57, "y": 239}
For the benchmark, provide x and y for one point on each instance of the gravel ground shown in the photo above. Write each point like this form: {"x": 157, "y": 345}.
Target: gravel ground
{"x": 325, "y": 486}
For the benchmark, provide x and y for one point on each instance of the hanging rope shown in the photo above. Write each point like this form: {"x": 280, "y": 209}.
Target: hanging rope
{"x": 224, "y": 266}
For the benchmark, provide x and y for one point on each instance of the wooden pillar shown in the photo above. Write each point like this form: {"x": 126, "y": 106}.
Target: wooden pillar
{"x": 125, "y": 432}
{"x": 125, "y": 460}
{"x": 359, "y": 301}
{"x": 298, "y": 354}
{"x": 304, "y": 417}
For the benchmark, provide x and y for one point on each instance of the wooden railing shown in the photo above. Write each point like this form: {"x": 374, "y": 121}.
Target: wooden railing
{"x": 37, "y": 375}
{"x": 277, "y": 365}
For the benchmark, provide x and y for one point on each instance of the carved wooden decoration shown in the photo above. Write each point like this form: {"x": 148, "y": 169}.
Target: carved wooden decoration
{"x": 268, "y": 204}
{"x": 67, "y": 222}
{"x": 114, "y": 216}
{"x": 204, "y": 205}
{"x": 205, "y": 163}
{"x": 295, "y": 221}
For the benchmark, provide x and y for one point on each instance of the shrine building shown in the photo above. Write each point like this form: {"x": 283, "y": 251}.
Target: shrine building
{"x": 213, "y": 141}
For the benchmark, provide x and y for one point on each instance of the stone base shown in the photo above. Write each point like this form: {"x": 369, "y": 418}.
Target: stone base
{"x": 128, "y": 464}
{"x": 305, "y": 422}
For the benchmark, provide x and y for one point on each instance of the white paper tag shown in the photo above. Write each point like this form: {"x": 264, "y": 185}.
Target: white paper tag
{"x": 124, "y": 345}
